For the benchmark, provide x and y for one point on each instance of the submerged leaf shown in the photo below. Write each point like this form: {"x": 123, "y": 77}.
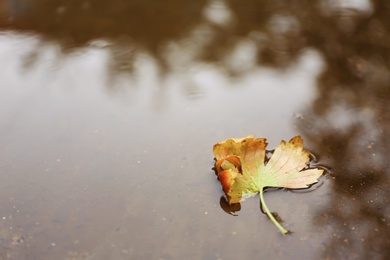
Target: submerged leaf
{"x": 243, "y": 171}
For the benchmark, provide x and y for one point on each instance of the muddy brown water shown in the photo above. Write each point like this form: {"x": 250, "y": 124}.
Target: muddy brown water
{"x": 109, "y": 111}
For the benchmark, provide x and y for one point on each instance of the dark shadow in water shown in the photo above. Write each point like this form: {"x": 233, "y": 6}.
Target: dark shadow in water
{"x": 128, "y": 26}
{"x": 347, "y": 125}
{"x": 74, "y": 23}
{"x": 230, "y": 209}
{"x": 348, "y": 38}
{"x": 358, "y": 210}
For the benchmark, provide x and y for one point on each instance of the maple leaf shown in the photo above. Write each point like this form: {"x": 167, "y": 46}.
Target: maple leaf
{"x": 243, "y": 170}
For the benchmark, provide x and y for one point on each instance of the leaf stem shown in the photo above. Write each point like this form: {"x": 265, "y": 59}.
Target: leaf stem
{"x": 269, "y": 214}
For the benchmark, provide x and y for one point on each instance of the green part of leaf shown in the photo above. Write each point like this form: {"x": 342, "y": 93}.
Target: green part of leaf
{"x": 269, "y": 214}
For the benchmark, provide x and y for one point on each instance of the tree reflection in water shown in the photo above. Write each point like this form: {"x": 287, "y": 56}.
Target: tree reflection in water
{"x": 349, "y": 121}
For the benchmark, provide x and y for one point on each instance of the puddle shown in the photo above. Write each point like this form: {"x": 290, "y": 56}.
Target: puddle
{"x": 109, "y": 114}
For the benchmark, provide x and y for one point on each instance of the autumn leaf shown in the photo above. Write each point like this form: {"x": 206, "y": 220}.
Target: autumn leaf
{"x": 243, "y": 169}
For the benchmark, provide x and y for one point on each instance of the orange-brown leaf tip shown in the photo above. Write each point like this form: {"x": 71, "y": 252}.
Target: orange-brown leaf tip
{"x": 231, "y": 162}
{"x": 227, "y": 179}
{"x": 231, "y": 146}
{"x": 296, "y": 141}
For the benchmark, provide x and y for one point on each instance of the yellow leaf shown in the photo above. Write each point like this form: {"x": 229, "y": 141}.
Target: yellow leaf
{"x": 243, "y": 171}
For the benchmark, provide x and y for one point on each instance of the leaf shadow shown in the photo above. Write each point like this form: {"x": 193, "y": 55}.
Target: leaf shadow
{"x": 231, "y": 209}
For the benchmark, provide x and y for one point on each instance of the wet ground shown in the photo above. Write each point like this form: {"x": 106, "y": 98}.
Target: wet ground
{"x": 109, "y": 112}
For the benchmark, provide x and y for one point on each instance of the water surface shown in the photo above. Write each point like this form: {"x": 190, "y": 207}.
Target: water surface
{"x": 109, "y": 111}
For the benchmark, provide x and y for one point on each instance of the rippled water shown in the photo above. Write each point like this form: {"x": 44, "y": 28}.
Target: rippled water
{"x": 109, "y": 111}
